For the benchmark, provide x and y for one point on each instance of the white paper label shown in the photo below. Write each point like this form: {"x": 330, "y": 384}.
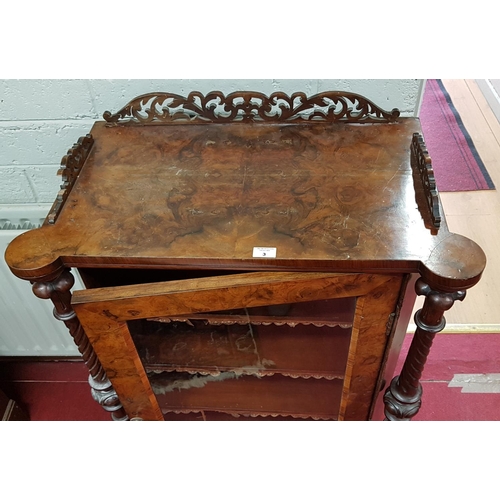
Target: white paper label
{"x": 266, "y": 252}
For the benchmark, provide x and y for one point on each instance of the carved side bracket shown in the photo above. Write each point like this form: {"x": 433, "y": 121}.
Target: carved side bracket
{"x": 251, "y": 106}
{"x": 71, "y": 165}
{"x": 421, "y": 161}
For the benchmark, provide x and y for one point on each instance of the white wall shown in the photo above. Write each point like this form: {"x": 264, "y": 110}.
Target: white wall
{"x": 491, "y": 91}
{"x": 41, "y": 119}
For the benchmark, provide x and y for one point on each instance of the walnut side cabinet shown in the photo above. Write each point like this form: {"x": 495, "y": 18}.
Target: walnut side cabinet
{"x": 250, "y": 257}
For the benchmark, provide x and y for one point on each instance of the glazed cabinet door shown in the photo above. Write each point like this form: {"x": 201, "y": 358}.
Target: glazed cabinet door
{"x": 260, "y": 345}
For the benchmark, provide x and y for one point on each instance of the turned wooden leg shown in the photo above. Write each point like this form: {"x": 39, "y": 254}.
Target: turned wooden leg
{"x": 58, "y": 291}
{"x": 404, "y": 396}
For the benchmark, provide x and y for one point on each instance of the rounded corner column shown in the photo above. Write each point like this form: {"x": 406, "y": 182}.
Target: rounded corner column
{"x": 403, "y": 398}
{"x": 57, "y": 289}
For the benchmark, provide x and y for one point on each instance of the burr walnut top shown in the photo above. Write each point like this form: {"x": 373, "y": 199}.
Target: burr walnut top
{"x": 317, "y": 195}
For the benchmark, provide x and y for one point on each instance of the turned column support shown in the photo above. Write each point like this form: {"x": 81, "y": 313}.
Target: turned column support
{"x": 58, "y": 291}
{"x": 403, "y": 398}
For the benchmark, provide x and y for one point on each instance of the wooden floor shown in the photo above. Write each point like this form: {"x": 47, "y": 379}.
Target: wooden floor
{"x": 476, "y": 214}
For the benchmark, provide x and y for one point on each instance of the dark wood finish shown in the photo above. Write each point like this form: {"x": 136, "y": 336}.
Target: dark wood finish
{"x": 372, "y": 329}
{"x": 71, "y": 165}
{"x": 215, "y": 107}
{"x": 296, "y": 352}
{"x": 58, "y": 291}
{"x": 104, "y": 314}
{"x": 335, "y": 312}
{"x": 403, "y": 397}
{"x": 422, "y": 163}
{"x": 399, "y": 320}
{"x": 218, "y": 416}
{"x": 333, "y": 197}
{"x": 248, "y": 395}
{"x": 163, "y": 204}
{"x": 193, "y": 296}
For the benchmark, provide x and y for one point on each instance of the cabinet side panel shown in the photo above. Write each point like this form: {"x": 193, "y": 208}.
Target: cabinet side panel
{"x": 372, "y": 322}
{"x": 115, "y": 349}
{"x": 399, "y": 330}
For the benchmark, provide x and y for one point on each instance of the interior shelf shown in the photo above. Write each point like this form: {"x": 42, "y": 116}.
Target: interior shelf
{"x": 218, "y": 416}
{"x": 200, "y": 348}
{"x": 331, "y": 312}
{"x": 248, "y": 395}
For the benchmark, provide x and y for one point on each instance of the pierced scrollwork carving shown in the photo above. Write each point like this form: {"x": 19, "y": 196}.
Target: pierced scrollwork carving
{"x": 249, "y": 106}
{"x": 421, "y": 161}
{"x": 71, "y": 164}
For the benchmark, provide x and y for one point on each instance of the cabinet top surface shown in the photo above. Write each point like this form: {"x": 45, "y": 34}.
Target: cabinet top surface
{"x": 326, "y": 196}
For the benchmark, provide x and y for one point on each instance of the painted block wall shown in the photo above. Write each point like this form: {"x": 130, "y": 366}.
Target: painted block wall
{"x": 41, "y": 119}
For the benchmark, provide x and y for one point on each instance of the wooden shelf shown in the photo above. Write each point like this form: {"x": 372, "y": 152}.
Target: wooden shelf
{"x": 256, "y": 363}
{"x": 332, "y": 312}
{"x": 218, "y": 416}
{"x": 301, "y": 351}
{"x": 248, "y": 395}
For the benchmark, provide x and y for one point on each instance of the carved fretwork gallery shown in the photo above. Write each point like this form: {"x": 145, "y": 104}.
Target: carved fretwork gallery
{"x": 422, "y": 163}
{"x": 250, "y": 257}
{"x": 215, "y": 107}
{"x": 71, "y": 164}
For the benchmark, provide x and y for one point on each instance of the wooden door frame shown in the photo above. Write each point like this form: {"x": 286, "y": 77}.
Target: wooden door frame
{"x": 104, "y": 312}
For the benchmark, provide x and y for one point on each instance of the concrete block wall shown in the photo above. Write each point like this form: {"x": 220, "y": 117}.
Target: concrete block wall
{"x": 41, "y": 119}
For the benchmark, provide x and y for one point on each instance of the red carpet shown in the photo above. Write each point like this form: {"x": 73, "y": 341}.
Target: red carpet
{"x": 51, "y": 391}
{"x": 456, "y": 163}
{"x": 59, "y": 391}
{"x": 450, "y": 356}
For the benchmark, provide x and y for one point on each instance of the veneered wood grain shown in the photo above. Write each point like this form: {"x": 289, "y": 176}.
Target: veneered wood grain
{"x": 300, "y": 351}
{"x": 116, "y": 351}
{"x": 403, "y": 313}
{"x": 222, "y": 292}
{"x": 328, "y": 197}
{"x": 329, "y": 312}
{"x": 331, "y": 197}
{"x": 369, "y": 340}
{"x": 104, "y": 311}
{"x": 248, "y": 394}
{"x": 335, "y": 197}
